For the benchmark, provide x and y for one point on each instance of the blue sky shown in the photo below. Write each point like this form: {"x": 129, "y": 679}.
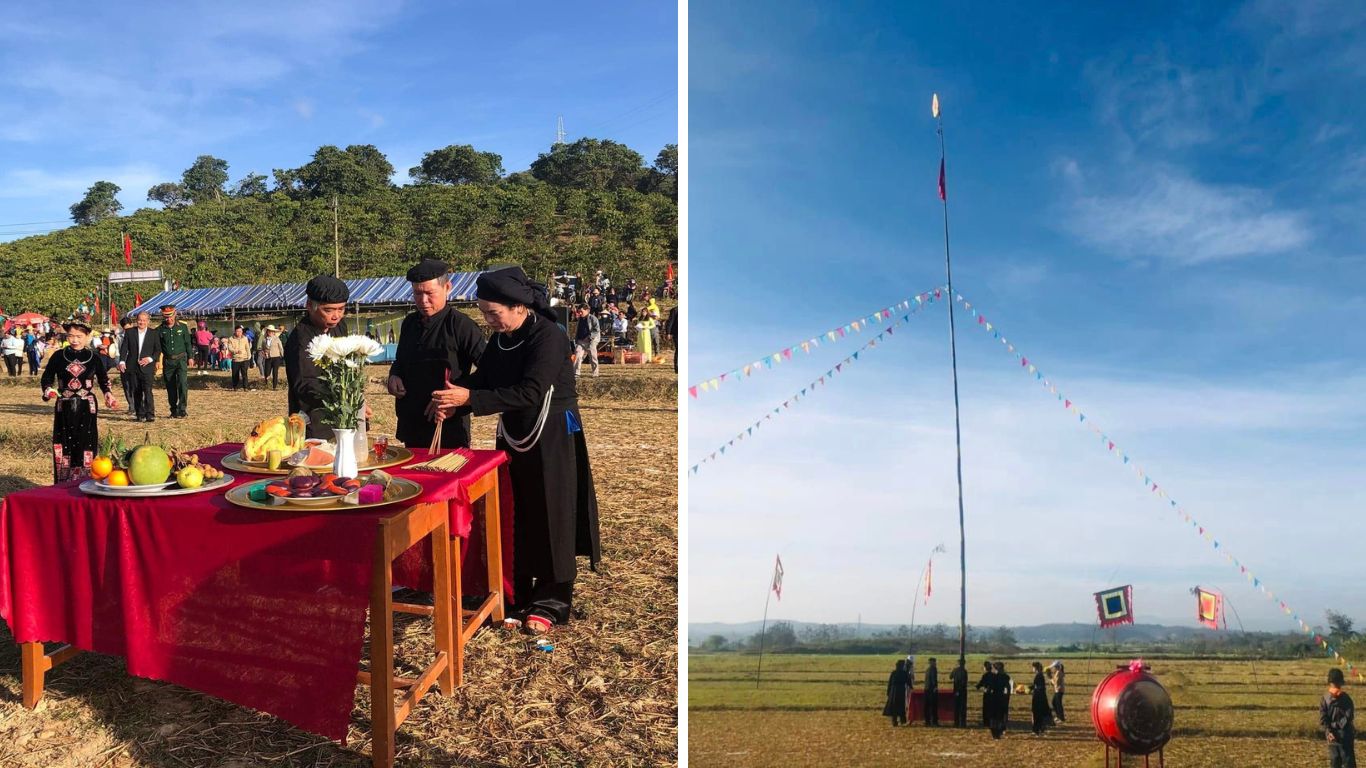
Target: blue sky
{"x": 1159, "y": 203}
{"x": 133, "y": 92}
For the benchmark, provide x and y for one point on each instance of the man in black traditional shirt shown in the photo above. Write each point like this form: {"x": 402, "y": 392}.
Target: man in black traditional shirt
{"x": 436, "y": 344}
{"x": 323, "y": 313}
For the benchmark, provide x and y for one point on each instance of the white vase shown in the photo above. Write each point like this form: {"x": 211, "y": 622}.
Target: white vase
{"x": 344, "y": 464}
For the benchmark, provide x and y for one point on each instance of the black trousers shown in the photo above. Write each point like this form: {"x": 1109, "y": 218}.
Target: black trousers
{"x": 931, "y": 706}
{"x": 1342, "y": 754}
{"x": 1057, "y": 707}
{"x": 141, "y": 402}
{"x": 960, "y": 708}
{"x": 272, "y": 370}
{"x": 12, "y": 362}
{"x": 239, "y": 374}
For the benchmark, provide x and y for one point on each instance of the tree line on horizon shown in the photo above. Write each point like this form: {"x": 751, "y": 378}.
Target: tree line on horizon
{"x": 591, "y": 204}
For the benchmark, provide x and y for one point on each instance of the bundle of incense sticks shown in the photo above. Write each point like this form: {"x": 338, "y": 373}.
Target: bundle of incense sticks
{"x": 450, "y": 462}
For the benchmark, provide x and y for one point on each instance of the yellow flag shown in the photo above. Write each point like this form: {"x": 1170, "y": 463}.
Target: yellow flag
{"x": 934, "y": 106}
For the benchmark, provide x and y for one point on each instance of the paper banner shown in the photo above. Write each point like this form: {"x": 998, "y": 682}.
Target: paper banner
{"x": 833, "y": 335}
{"x": 1107, "y": 442}
{"x": 821, "y": 381}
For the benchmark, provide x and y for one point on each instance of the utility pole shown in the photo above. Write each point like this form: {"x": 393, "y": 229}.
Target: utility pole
{"x": 336, "y": 241}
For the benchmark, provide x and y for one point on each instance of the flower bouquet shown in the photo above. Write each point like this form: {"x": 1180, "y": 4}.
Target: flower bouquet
{"x": 342, "y": 360}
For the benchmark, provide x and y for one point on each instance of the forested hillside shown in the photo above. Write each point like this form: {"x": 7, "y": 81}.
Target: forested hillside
{"x": 582, "y": 206}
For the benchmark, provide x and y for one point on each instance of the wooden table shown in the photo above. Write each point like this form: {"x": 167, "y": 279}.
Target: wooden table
{"x": 396, "y": 534}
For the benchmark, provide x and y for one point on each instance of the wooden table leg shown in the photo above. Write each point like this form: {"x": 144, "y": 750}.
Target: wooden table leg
{"x": 34, "y": 667}
{"x": 493, "y": 546}
{"x": 382, "y": 724}
{"x": 457, "y": 603}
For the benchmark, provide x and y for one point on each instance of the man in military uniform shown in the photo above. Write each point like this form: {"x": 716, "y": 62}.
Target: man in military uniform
{"x": 176, "y": 346}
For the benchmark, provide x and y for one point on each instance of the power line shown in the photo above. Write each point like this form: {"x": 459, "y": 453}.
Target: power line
{"x": 31, "y": 223}
{"x": 645, "y": 105}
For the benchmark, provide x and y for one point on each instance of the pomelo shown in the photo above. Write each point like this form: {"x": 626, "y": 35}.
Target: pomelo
{"x": 149, "y": 465}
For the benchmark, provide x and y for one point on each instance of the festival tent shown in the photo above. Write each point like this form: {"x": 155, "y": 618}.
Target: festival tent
{"x": 369, "y": 293}
{"x": 26, "y": 319}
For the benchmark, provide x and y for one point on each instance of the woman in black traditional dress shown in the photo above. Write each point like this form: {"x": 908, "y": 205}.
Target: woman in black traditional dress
{"x": 896, "y": 694}
{"x": 526, "y": 376}
{"x": 72, "y": 375}
{"x": 1038, "y": 703}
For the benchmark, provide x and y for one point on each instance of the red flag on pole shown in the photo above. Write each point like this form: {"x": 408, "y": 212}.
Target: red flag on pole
{"x": 943, "y": 191}
{"x": 113, "y": 312}
{"x": 128, "y": 245}
{"x": 671, "y": 271}
{"x": 137, "y": 299}
{"x": 929, "y": 581}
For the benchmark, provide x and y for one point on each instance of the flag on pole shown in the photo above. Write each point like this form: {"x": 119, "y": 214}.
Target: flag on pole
{"x": 127, "y": 249}
{"x": 137, "y": 299}
{"x": 1210, "y": 607}
{"x": 929, "y": 581}
{"x": 671, "y": 271}
{"x": 113, "y": 312}
{"x": 943, "y": 192}
{"x": 1115, "y": 606}
{"x": 778, "y": 577}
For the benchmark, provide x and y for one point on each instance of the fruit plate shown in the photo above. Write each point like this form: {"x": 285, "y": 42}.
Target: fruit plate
{"x": 402, "y": 489}
{"x": 96, "y": 488}
{"x": 393, "y": 457}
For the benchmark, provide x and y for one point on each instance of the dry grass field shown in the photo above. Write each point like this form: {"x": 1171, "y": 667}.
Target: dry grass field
{"x": 827, "y": 710}
{"x": 607, "y": 695}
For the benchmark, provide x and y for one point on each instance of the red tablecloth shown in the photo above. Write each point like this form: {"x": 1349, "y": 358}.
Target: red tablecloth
{"x": 263, "y": 608}
{"x": 414, "y": 569}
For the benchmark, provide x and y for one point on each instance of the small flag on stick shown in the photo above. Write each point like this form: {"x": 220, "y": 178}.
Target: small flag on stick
{"x": 127, "y": 250}
{"x": 778, "y": 577}
{"x": 929, "y": 581}
{"x": 943, "y": 190}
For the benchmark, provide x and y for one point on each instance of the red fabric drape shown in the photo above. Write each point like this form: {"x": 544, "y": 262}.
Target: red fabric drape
{"x": 264, "y": 608}
{"x": 127, "y": 249}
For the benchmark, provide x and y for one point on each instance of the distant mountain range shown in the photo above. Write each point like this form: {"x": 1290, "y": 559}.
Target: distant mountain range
{"x": 1037, "y": 635}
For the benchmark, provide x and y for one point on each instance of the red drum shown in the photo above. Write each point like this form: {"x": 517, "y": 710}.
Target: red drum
{"x": 1132, "y": 712}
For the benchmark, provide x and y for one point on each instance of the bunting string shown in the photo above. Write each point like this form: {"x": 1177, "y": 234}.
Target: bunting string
{"x": 829, "y": 337}
{"x": 1108, "y": 443}
{"x": 820, "y": 382}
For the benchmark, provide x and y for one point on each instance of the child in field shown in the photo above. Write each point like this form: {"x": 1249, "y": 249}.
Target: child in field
{"x": 72, "y": 376}
{"x": 1336, "y": 713}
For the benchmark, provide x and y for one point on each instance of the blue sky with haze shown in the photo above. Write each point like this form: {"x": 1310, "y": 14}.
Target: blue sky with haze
{"x": 133, "y": 92}
{"x": 1159, "y": 203}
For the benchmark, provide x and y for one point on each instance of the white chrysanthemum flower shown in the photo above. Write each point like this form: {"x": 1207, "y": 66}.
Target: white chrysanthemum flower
{"x": 319, "y": 347}
{"x": 368, "y": 346}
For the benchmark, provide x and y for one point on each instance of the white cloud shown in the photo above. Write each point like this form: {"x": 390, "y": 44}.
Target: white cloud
{"x": 1166, "y": 214}
{"x": 304, "y": 108}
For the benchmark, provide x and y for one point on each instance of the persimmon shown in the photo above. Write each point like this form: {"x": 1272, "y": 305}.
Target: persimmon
{"x": 117, "y": 477}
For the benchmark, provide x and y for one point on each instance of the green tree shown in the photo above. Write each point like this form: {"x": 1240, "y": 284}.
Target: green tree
{"x": 1340, "y": 626}
{"x": 100, "y": 202}
{"x": 357, "y": 170}
{"x": 251, "y": 185}
{"x": 205, "y": 179}
{"x": 714, "y": 643}
{"x": 169, "y": 194}
{"x": 597, "y": 164}
{"x": 663, "y": 177}
{"x": 779, "y": 637}
{"x": 287, "y": 182}
{"x": 458, "y": 164}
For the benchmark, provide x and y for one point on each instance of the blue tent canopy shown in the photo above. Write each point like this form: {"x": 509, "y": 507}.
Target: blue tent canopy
{"x": 366, "y": 292}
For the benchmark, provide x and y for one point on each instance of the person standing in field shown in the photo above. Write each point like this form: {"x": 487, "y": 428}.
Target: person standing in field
{"x": 959, "y": 678}
{"x": 897, "y": 685}
{"x": 1056, "y": 675}
{"x": 985, "y": 685}
{"x": 932, "y": 694}
{"x": 1000, "y": 700}
{"x": 1038, "y": 702}
{"x": 173, "y": 338}
{"x": 1336, "y": 716}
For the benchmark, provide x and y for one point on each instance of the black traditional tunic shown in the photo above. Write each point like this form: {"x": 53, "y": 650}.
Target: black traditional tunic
{"x": 1038, "y": 702}
{"x": 896, "y": 696}
{"x": 448, "y": 342}
{"x": 75, "y": 431}
{"x": 556, "y": 508}
{"x": 306, "y": 388}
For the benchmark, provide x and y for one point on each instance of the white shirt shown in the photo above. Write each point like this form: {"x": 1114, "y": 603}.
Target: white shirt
{"x": 12, "y": 345}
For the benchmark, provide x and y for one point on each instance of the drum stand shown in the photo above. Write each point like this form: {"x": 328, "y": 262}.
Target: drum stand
{"x": 1119, "y": 758}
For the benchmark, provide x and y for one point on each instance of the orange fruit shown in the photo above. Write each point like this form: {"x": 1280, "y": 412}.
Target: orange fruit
{"x": 117, "y": 477}
{"x": 101, "y": 467}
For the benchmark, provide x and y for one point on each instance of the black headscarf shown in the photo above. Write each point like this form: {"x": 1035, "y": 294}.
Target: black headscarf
{"x": 512, "y": 286}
